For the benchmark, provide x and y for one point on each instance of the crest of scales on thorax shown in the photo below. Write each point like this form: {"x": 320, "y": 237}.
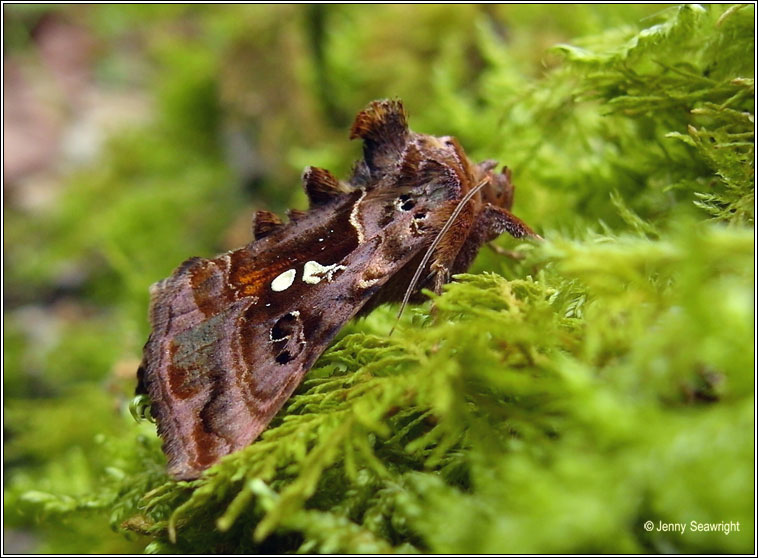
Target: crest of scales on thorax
{"x": 233, "y": 336}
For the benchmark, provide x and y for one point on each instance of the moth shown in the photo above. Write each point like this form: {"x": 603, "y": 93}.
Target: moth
{"x": 233, "y": 336}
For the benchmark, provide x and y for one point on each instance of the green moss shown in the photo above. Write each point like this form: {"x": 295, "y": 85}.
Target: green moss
{"x": 552, "y": 402}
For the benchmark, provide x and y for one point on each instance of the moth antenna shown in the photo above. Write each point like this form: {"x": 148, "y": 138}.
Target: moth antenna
{"x": 296, "y": 214}
{"x": 264, "y": 223}
{"x": 321, "y": 186}
{"x": 434, "y": 244}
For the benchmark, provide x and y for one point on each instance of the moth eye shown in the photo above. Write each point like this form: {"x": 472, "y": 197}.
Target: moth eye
{"x": 405, "y": 203}
{"x": 284, "y": 327}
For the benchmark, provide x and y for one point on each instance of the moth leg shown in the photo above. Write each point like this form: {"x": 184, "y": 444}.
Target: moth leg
{"x": 491, "y": 222}
{"x": 496, "y": 220}
{"x": 447, "y": 251}
{"x": 456, "y": 252}
{"x": 440, "y": 275}
{"x": 503, "y": 252}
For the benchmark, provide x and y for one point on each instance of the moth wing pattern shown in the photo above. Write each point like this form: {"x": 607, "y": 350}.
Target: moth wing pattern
{"x": 217, "y": 379}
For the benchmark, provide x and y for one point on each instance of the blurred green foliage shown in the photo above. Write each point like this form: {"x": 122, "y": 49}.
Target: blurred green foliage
{"x": 552, "y": 404}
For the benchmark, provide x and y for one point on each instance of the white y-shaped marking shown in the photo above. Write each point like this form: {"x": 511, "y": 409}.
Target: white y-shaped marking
{"x": 314, "y": 272}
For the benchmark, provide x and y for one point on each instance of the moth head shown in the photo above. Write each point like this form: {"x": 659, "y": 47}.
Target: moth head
{"x": 442, "y": 159}
{"x": 499, "y": 189}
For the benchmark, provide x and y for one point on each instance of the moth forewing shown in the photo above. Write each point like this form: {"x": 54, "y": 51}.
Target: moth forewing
{"x": 233, "y": 336}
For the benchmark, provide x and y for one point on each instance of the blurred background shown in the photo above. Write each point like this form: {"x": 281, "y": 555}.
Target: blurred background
{"x": 137, "y": 136}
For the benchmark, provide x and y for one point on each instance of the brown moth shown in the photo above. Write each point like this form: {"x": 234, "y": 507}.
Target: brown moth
{"x": 233, "y": 336}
